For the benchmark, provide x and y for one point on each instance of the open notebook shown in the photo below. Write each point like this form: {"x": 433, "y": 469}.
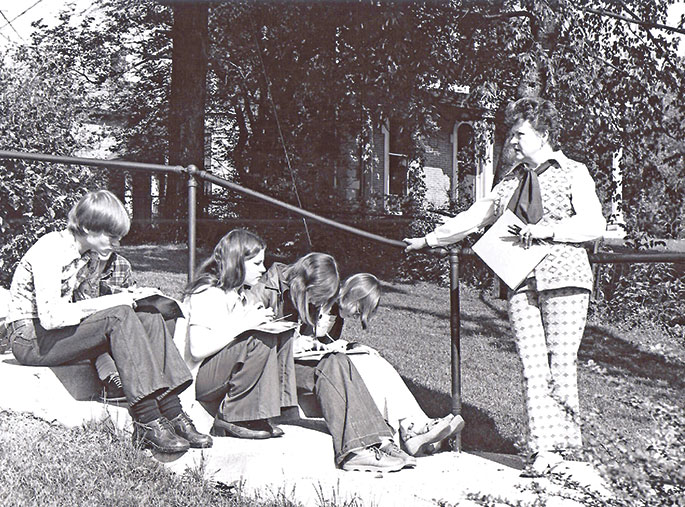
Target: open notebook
{"x": 276, "y": 326}
{"x": 505, "y": 255}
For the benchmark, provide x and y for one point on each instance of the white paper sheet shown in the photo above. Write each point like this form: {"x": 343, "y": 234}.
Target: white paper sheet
{"x": 505, "y": 255}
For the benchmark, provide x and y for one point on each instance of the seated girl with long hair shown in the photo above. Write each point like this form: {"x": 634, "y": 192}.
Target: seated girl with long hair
{"x": 362, "y": 440}
{"x": 418, "y": 434}
{"x": 243, "y": 376}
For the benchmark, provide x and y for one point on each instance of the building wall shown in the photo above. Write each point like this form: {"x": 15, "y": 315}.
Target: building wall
{"x": 368, "y": 181}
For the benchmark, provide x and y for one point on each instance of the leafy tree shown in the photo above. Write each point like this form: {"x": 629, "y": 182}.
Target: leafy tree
{"x": 43, "y": 101}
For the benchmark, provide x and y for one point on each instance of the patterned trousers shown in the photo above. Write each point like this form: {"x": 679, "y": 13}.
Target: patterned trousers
{"x": 548, "y": 327}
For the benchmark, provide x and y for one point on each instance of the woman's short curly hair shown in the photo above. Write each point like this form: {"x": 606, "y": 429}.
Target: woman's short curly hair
{"x": 541, "y": 114}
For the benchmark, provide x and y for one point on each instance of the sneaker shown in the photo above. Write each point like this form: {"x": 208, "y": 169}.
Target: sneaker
{"x": 417, "y": 441}
{"x": 372, "y": 459}
{"x": 159, "y": 435}
{"x": 112, "y": 390}
{"x": 541, "y": 464}
{"x": 391, "y": 449}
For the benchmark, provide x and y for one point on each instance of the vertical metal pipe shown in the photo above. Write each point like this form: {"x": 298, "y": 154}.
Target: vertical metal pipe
{"x": 455, "y": 325}
{"x": 192, "y": 212}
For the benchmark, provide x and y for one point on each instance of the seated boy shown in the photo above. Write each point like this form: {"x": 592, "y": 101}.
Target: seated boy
{"x": 48, "y": 328}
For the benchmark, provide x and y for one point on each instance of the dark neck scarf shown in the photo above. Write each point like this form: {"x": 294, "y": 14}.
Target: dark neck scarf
{"x": 526, "y": 202}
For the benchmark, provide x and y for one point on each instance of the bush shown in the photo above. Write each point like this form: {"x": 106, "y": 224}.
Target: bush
{"x": 643, "y": 292}
{"x": 37, "y": 99}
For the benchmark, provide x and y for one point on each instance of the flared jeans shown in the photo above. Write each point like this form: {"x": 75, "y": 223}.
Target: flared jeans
{"x": 350, "y": 413}
{"x": 251, "y": 378}
{"x": 143, "y": 350}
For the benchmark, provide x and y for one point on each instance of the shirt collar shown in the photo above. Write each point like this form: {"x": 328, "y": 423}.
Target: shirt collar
{"x": 71, "y": 243}
{"x": 556, "y": 156}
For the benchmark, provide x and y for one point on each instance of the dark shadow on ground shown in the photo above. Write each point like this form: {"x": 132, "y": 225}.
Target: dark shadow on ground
{"x": 479, "y": 324}
{"x": 172, "y": 259}
{"x": 391, "y": 289}
{"x": 418, "y": 311}
{"x": 488, "y": 302}
{"x": 480, "y": 432}
{"x": 620, "y": 357}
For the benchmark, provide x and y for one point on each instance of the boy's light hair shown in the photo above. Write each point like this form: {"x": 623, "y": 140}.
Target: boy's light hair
{"x": 359, "y": 296}
{"x": 99, "y": 211}
{"x": 313, "y": 280}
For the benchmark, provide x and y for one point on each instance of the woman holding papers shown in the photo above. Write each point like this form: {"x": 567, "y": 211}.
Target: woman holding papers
{"x": 555, "y": 198}
{"x": 244, "y": 374}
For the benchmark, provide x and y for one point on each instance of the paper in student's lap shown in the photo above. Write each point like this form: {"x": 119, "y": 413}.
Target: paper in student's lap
{"x": 277, "y": 326}
{"x": 504, "y": 253}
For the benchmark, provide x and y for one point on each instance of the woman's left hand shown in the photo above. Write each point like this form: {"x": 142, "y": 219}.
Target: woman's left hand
{"x": 530, "y": 232}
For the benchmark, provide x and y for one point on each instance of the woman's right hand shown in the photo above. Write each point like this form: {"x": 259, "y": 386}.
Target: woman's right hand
{"x": 415, "y": 244}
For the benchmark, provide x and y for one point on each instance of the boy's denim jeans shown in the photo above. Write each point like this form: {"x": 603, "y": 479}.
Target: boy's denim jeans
{"x": 350, "y": 413}
{"x": 143, "y": 350}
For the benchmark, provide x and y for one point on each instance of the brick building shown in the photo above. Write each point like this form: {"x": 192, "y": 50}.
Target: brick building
{"x": 457, "y": 160}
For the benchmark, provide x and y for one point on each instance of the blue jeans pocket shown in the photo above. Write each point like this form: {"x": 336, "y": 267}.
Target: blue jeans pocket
{"x": 22, "y": 340}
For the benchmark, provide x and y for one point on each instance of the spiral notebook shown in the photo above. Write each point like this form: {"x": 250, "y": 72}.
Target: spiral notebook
{"x": 505, "y": 255}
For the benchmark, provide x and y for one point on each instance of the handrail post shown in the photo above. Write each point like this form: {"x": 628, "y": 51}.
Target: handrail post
{"x": 192, "y": 219}
{"x": 455, "y": 325}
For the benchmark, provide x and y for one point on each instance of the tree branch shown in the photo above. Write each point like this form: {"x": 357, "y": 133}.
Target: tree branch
{"x": 647, "y": 24}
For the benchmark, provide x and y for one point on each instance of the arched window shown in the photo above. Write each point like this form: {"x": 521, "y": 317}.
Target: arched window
{"x": 465, "y": 192}
{"x": 398, "y": 159}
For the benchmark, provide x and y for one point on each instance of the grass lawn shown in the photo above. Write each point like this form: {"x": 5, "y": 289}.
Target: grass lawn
{"x": 632, "y": 389}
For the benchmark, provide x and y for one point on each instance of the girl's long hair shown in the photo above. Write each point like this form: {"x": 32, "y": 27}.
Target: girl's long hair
{"x": 359, "y": 296}
{"x": 226, "y": 267}
{"x": 313, "y": 280}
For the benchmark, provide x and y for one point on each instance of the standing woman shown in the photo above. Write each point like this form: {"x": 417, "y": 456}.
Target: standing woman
{"x": 555, "y": 196}
{"x": 48, "y": 328}
{"x": 244, "y": 376}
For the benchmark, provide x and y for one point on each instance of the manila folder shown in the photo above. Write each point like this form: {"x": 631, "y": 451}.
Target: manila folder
{"x": 504, "y": 254}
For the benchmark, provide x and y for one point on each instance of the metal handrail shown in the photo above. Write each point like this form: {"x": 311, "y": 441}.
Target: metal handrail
{"x": 454, "y": 252}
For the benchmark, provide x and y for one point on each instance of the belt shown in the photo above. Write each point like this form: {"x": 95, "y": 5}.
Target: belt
{"x": 19, "y": 323}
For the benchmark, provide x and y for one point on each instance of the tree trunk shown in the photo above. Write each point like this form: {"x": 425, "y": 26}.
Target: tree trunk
{"x": 186, "y": 103}
{"x": 142, "y": 198}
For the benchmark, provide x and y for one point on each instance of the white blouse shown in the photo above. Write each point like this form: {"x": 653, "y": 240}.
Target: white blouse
{"x": 586, "y": 224}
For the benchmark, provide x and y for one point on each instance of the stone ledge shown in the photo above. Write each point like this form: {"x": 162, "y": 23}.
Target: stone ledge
{"x": 298, "y": 465}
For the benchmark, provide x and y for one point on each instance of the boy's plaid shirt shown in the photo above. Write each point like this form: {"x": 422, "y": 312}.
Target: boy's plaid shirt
{"x": 116, "y": 275}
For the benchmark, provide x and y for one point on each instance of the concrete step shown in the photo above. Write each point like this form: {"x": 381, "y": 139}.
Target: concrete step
{"x": 298, "y": 465}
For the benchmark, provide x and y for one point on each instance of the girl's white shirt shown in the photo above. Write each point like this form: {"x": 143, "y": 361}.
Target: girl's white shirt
{"x": 214, "y": 320}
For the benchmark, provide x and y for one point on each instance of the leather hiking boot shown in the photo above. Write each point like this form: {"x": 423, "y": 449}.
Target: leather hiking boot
{"x": 391, "y": 449}
{"x": 159, "y": 435}
{"x": 184, "y": 427}
{"x": 372, "y": 459}
{"x": 240, "y": 429}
